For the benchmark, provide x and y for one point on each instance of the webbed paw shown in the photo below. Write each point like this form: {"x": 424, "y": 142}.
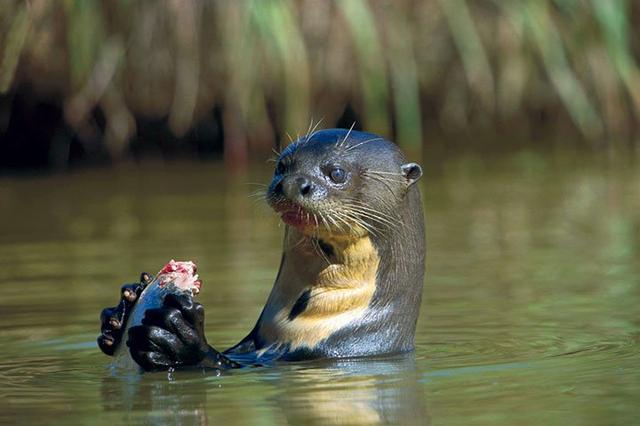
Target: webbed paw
{"x": 170, "y": 336}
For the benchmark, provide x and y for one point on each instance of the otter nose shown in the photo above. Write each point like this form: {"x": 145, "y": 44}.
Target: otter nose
{"x": 305, "y": 186}
{"x": 298, "y": 187}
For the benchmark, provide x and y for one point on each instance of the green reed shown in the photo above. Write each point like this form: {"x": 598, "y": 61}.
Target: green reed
{"x": 409, "y": 68}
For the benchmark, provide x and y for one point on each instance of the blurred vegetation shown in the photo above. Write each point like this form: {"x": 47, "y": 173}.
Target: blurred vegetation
{"x": 111, "y": 78}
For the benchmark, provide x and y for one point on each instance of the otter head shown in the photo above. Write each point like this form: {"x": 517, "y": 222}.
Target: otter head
{"x": 339, "y": 184}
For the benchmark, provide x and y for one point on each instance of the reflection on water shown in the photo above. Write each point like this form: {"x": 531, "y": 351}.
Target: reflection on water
{"x": 531, "y": 310}
{"x": 342, "y": 392}
{"x": 358, "y": 391}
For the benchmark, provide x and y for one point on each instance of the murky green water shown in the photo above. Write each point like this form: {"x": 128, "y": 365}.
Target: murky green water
{"x": 531, "y": 309}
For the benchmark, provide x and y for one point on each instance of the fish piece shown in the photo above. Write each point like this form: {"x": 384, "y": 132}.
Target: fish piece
{"x": 176, "y": 277}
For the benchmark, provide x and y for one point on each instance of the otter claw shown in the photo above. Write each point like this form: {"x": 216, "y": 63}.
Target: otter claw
{"x": 145, "y": 278}
{"x": 129, "y": 295}
{"x": 115, "y": 323}
{"x": 107, "y": 340}
{"x": 106, "y": 344}
{"x": 130, "y": 292}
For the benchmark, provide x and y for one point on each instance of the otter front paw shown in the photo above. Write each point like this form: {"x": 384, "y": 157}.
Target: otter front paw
{"x": 170, "y": 336}
{"x": 113, "y": 320}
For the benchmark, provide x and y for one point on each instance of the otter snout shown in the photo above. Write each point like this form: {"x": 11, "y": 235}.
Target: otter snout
{"x": 301, "y": 189}
{"x": 298, "y": 187}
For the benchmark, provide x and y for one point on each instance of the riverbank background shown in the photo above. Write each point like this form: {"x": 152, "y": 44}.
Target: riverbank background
{"x": 99, "y": 82}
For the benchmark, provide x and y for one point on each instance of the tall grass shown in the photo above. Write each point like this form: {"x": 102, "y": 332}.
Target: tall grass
{"x": 407, "y": 67}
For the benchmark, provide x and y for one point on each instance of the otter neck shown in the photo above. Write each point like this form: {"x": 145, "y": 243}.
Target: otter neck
{"x": 323, "y": 285}
{"x": 331, "y": 262}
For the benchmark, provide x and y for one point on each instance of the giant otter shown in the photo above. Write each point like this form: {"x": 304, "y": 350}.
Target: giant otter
{"x": 351, "y": 274}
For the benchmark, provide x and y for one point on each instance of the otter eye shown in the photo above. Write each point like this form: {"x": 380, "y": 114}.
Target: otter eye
{"x": 337, "y": 175}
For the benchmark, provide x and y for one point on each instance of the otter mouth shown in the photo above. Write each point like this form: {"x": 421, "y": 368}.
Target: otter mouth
{"x": 313, "y": 222}
{"x": 295, "y": 215}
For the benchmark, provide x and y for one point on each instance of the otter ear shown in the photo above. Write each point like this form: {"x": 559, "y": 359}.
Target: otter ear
{"x": 411, "y": 172}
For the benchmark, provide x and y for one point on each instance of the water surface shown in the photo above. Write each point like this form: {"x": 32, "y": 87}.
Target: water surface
{"x": 530, "y": 313}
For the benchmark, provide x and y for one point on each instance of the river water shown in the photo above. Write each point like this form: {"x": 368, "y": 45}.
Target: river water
{"x": 530, "y": 315}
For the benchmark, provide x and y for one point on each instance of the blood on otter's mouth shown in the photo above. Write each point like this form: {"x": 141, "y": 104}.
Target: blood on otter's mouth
{"x": 295, "y": 215}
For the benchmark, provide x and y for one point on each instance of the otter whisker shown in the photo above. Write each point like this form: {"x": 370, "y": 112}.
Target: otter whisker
{"x": 289, "y": 136}
{"x": 258, "y": 194}
{"x": 386, "y": 179}
{"x": 324, "y": 221}
{"x": 381, "y": 220}
{"x": 380, "y": 172}
{"x": 346, "y": 218}
{"x": 385, "y": 204}
{"x": 379, "y": 214}
{"x": 352, "y": 147}
{"x": 383, "y": 177}
{"x": 353, "y": 211}
{"x": 340, "y": 144}
{"x": 383, "y": 182}
{"x": 370, "y": 229}
{"x": 373, "y": 216}
{"x": 360, "y": 203}
{"x": 299, "y": 243}
{"x": 311, "y": 131}
{"x": 316, "y": 247}
{"x": 341, "y": 219}
{"x": 332, "y": 220}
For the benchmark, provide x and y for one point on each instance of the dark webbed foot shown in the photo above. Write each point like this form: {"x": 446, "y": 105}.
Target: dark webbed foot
{"x": 113, "y": 320}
